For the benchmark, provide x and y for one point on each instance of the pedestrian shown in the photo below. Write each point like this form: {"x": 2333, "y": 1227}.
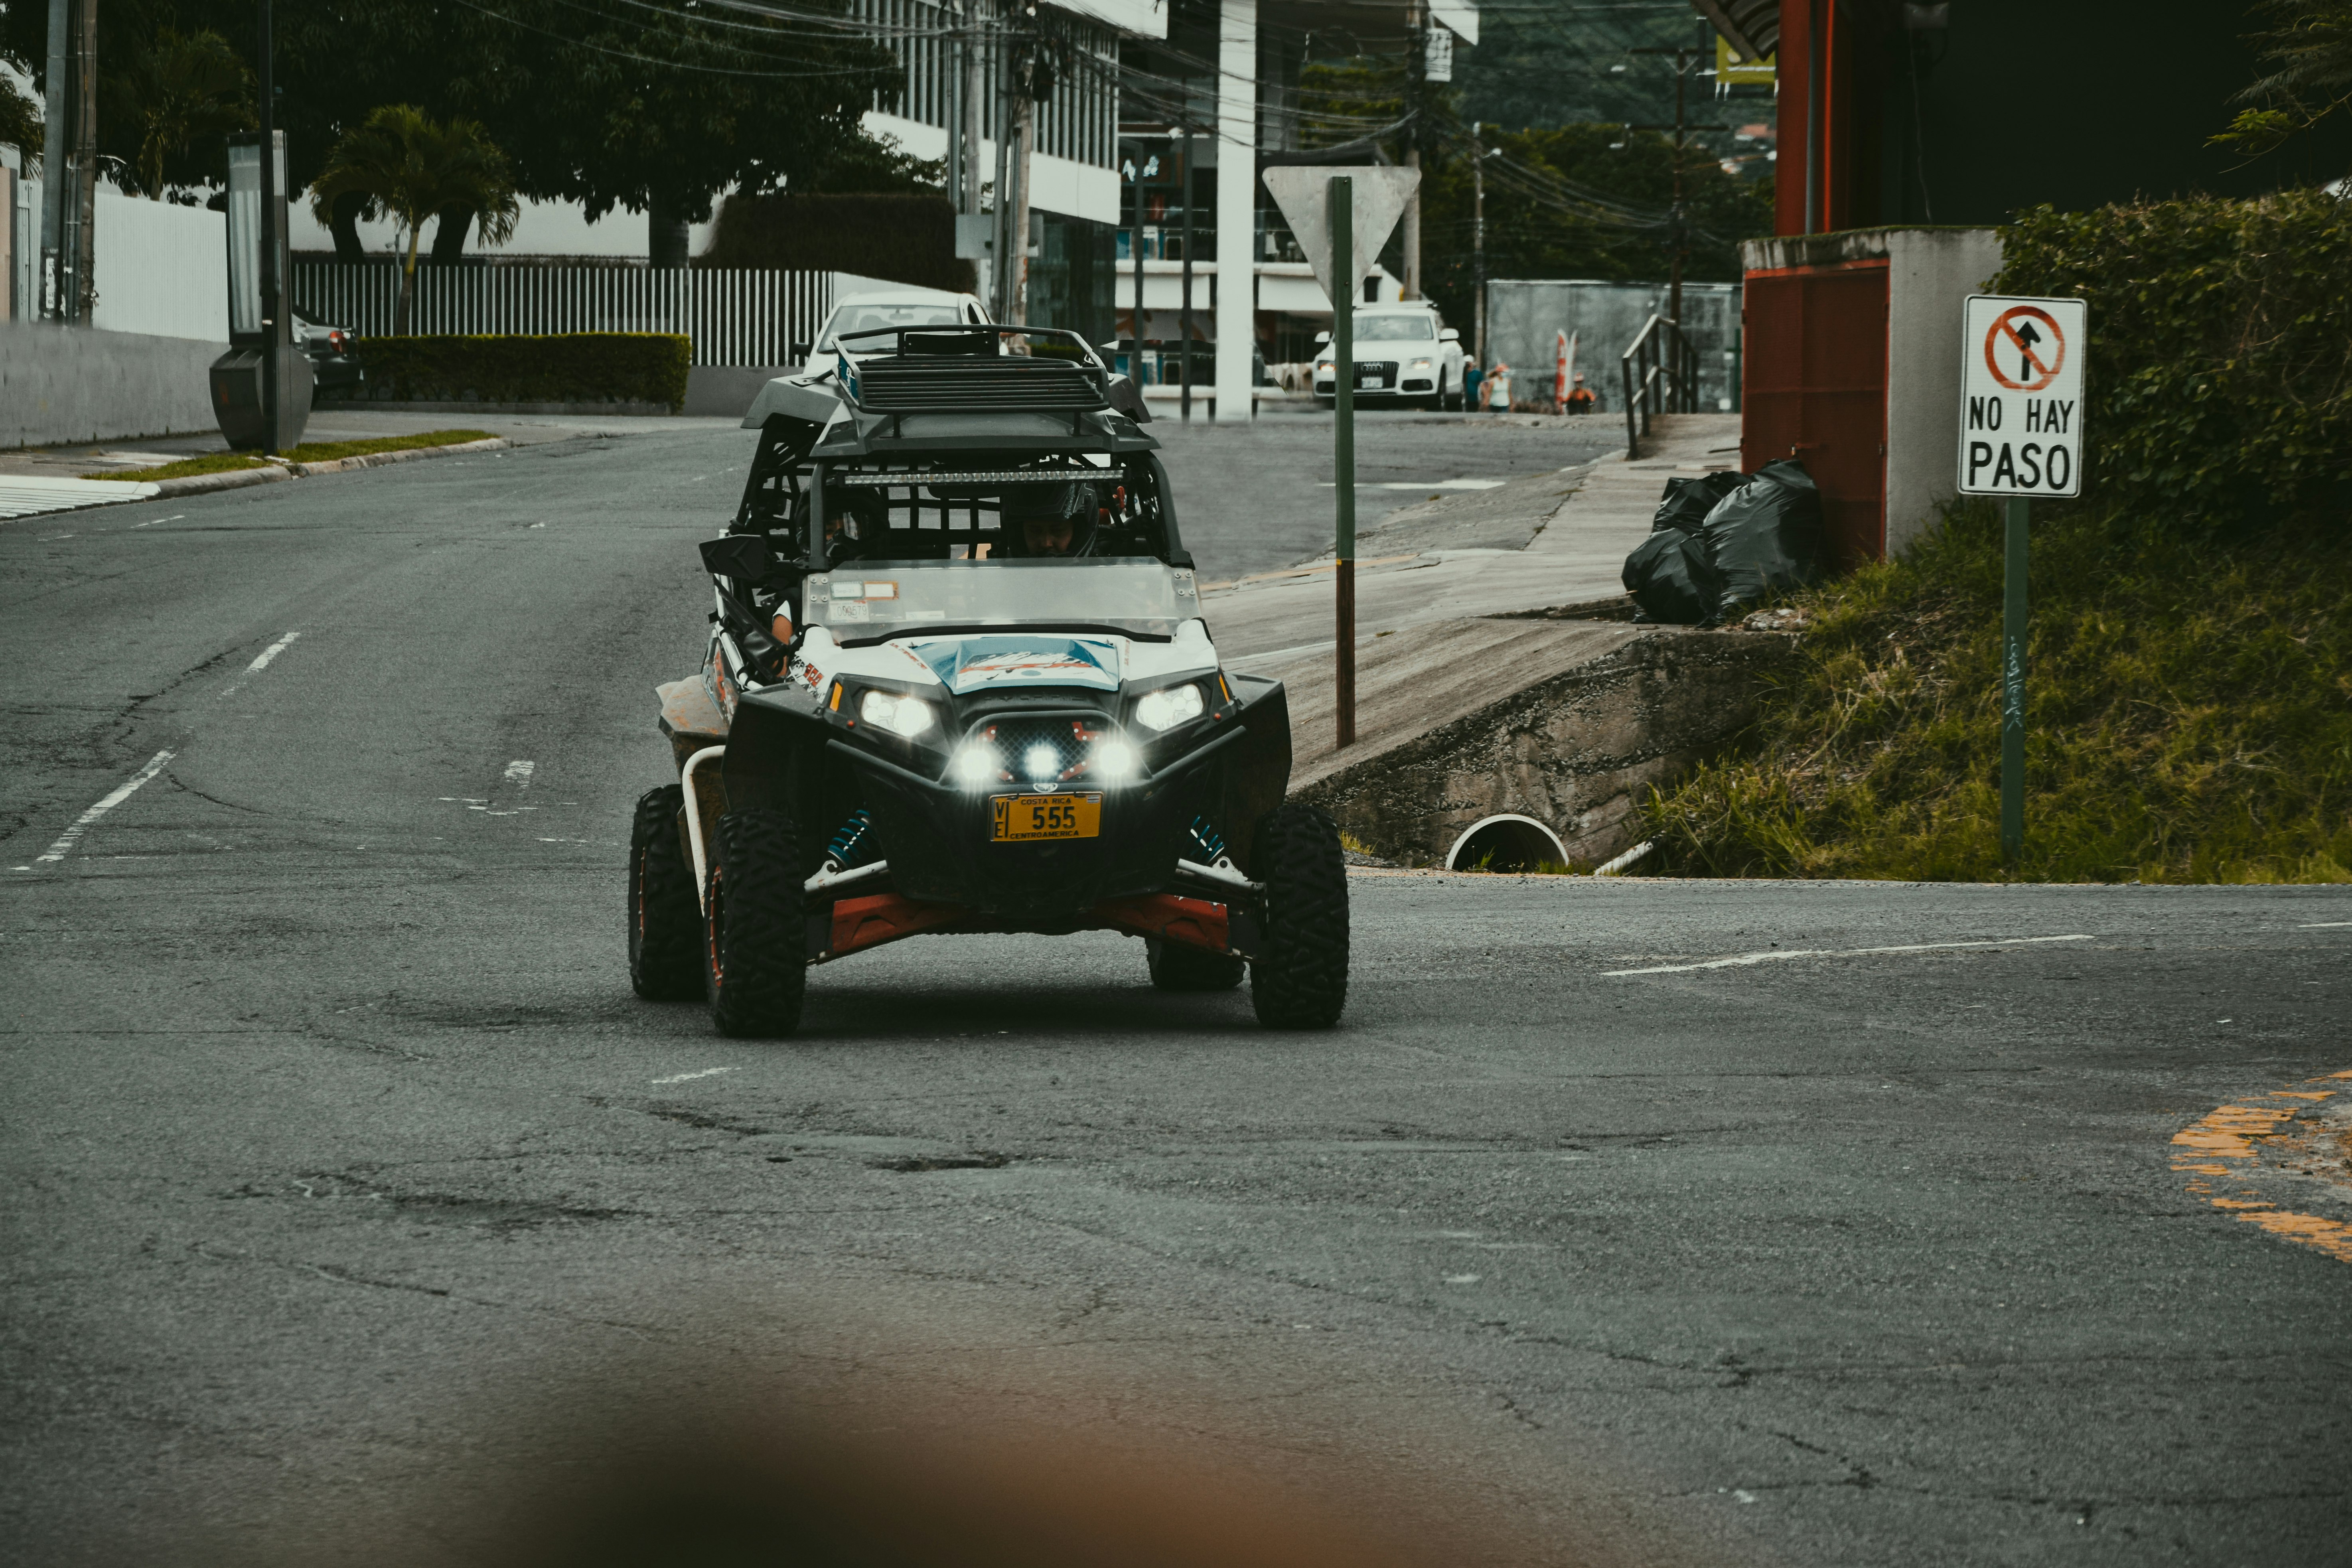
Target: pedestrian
{"x": 1579, "y": 396}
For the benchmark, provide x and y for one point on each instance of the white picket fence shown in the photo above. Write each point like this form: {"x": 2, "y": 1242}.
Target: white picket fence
{"x": 735, "y": 316}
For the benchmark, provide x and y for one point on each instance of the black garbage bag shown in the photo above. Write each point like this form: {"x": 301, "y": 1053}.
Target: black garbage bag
{"x": 1765, "y": 537}
{"x": 1688, "y": 501}
{"x": 1670, "y": 580}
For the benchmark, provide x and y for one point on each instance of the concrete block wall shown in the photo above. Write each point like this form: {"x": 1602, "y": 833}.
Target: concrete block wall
{"x": 1577, "y": 752}
{"x": 59, "y": 385}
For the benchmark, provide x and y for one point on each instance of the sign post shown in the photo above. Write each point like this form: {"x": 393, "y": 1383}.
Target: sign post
{"x": 2020, "y": 436}
{"x": 1338, "y": 215}
{"x": 1343, "y": 447}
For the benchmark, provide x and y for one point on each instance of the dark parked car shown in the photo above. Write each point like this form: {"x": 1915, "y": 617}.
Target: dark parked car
{"x": 333, "y": 368}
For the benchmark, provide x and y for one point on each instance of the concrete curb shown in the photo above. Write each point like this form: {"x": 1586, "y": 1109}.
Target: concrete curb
{"x": 237, "y": 479}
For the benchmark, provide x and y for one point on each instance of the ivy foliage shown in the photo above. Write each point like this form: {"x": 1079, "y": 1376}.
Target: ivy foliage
{"x": 563, "y": 367}
{"x": 2219, "y": 388}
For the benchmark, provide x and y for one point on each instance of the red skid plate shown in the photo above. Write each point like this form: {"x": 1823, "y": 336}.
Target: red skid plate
{"x": 1171, "y": 917}
{"x": 887, "y": 916}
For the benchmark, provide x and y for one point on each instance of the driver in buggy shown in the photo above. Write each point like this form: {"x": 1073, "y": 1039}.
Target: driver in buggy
{"x": 1051, "y": 519}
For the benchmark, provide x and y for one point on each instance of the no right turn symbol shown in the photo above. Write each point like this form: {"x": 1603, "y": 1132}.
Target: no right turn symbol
{"x": 2025, "y": 348}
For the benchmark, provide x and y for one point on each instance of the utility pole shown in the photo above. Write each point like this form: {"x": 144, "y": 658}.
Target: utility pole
{"x": 1184, "y": 320}
{"x": 271, "y": 216}
{"x": 1478, "y": 243}
{"x": 56, "y": 98}
{"x": 1684, "y": 60}
{"x": 1416, "y": 67}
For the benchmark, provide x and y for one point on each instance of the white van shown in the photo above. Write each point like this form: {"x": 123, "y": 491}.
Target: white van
{"x": 906, "y": 307}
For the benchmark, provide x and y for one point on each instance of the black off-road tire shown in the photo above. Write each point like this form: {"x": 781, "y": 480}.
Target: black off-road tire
{"x": 1176, "y": 967}
{"x": 665, "y": 919}
{"x": 755, "y": 962}
{"x": 1301, "y": 982}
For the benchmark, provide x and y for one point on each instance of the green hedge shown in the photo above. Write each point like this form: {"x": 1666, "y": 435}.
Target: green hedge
{"x": 567, "y": 367}
{"x": 2219, "y": 390}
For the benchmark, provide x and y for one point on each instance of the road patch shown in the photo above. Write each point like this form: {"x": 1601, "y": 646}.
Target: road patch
{"x": 2281, "y": 1161}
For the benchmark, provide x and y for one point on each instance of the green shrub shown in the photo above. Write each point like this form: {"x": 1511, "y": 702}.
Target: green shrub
{"x": 567, "y": 367}
{"x": 2219, "y": 387}
{"x": 2189, "y": 713}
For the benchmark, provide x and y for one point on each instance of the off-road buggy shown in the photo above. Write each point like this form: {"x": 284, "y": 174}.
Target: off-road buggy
{"x": 958, "y": 680}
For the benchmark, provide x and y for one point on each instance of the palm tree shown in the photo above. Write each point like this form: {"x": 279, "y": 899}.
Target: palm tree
{"x": 183, "y": 89}
{"x": 401, "y": 163}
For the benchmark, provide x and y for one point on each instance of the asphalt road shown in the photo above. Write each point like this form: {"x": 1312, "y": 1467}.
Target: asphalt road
{"x": 356, "y": 1212}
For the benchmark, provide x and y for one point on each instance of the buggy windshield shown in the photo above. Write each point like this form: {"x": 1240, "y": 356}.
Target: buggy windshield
{"x": 871, "y": 600}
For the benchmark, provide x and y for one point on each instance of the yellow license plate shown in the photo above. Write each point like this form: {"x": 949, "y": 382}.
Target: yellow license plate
{"x": 1022, "y": 816}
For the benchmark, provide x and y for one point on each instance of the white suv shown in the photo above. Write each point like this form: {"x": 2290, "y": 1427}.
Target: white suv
{"x": 1405, "y": 353}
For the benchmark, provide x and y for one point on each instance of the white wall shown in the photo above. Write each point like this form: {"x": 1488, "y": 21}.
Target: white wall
{"x": 1056, "y": 185}
{"x": 544, "y": 228}
{"x": 161, "y": 271}
{"x": 1930, "y": 275}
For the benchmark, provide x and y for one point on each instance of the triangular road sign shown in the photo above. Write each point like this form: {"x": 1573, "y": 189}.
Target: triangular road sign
{"x": 1303, "y": 192}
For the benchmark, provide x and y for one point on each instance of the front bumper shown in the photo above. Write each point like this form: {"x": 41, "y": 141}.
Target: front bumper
{"x": 935, "y": 835}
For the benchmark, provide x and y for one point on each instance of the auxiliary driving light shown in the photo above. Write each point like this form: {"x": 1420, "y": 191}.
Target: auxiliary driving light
{"x": 1168, "y": 707}
{"x": 1043, "y": 764}
{"x": 908, "y": 716}
{"x": 1114, "y": 761}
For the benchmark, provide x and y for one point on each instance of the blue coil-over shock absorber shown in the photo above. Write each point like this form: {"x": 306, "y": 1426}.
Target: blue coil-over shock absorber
{"x": 852, "y": 843}
{"x": 1208, "y": 845}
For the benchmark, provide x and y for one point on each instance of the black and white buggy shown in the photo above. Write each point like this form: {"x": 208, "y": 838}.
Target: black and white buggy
{"x": 958, "y": 680}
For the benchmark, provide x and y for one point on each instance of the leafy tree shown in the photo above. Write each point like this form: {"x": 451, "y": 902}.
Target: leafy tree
{"x": 175, "y": 102}
{"x": 2308, "y": 49}
{"x": 648, "y": 105}
{"x": 400, "y": 162}
{"x": 20, "y": 119}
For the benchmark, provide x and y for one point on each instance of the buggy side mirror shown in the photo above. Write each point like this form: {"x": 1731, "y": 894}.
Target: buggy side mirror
{"x": 742, "y": 557}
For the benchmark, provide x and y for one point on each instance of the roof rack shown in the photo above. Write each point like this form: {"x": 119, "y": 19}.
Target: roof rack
{"x": 964, "y": 369}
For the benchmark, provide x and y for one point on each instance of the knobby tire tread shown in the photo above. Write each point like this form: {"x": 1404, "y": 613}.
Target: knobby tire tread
{"x": 665, "y": 929}
{"x": 1301, "y": 980}
{"x": 755, "y": 966}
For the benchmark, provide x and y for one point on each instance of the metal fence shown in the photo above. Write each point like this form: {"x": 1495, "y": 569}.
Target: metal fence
{"x": 735, "y": 316}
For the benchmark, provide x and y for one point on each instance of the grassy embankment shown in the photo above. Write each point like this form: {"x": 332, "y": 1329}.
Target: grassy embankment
{"x": 314, "y": 452}
{"x": 2189, "y": 667}
{"x": 2190, "y": 714}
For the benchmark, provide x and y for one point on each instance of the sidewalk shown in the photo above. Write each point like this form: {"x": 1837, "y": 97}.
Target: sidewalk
{"x": 340, "y": 424}
{"x": 1453, "y": 559}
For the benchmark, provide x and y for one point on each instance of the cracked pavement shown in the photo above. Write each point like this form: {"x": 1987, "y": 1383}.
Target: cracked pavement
{"x": 352, "y": 1198}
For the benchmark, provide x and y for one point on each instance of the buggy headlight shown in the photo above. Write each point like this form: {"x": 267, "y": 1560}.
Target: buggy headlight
{"x": 1168, "y": 707}
{"x": 908, "y": 716}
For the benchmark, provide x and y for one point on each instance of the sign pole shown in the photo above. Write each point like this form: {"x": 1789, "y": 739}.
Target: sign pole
{"x": 2015, "y": 511}
{"x": 1343, "y": 441}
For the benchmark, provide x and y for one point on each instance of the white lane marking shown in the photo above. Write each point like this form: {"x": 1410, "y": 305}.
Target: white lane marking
{"x": 519, "y": 773}
{"x": 152, "y": 521}
{"x": 122, "y": 792}
{"x": 1777, "y": 954}
{"x": 261, "y": 661}
{"x": 2324, "y": 925}
{"x": 272, "y": 651}
{"x": 1462, "y": 1279}
{"x": 690, "y": 1077}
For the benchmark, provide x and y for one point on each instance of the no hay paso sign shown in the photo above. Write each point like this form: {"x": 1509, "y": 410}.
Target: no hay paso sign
{"x": 2022, "y": 397}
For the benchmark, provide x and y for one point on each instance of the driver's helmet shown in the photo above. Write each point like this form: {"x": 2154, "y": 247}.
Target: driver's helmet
{"x": 1073, "y": 502}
